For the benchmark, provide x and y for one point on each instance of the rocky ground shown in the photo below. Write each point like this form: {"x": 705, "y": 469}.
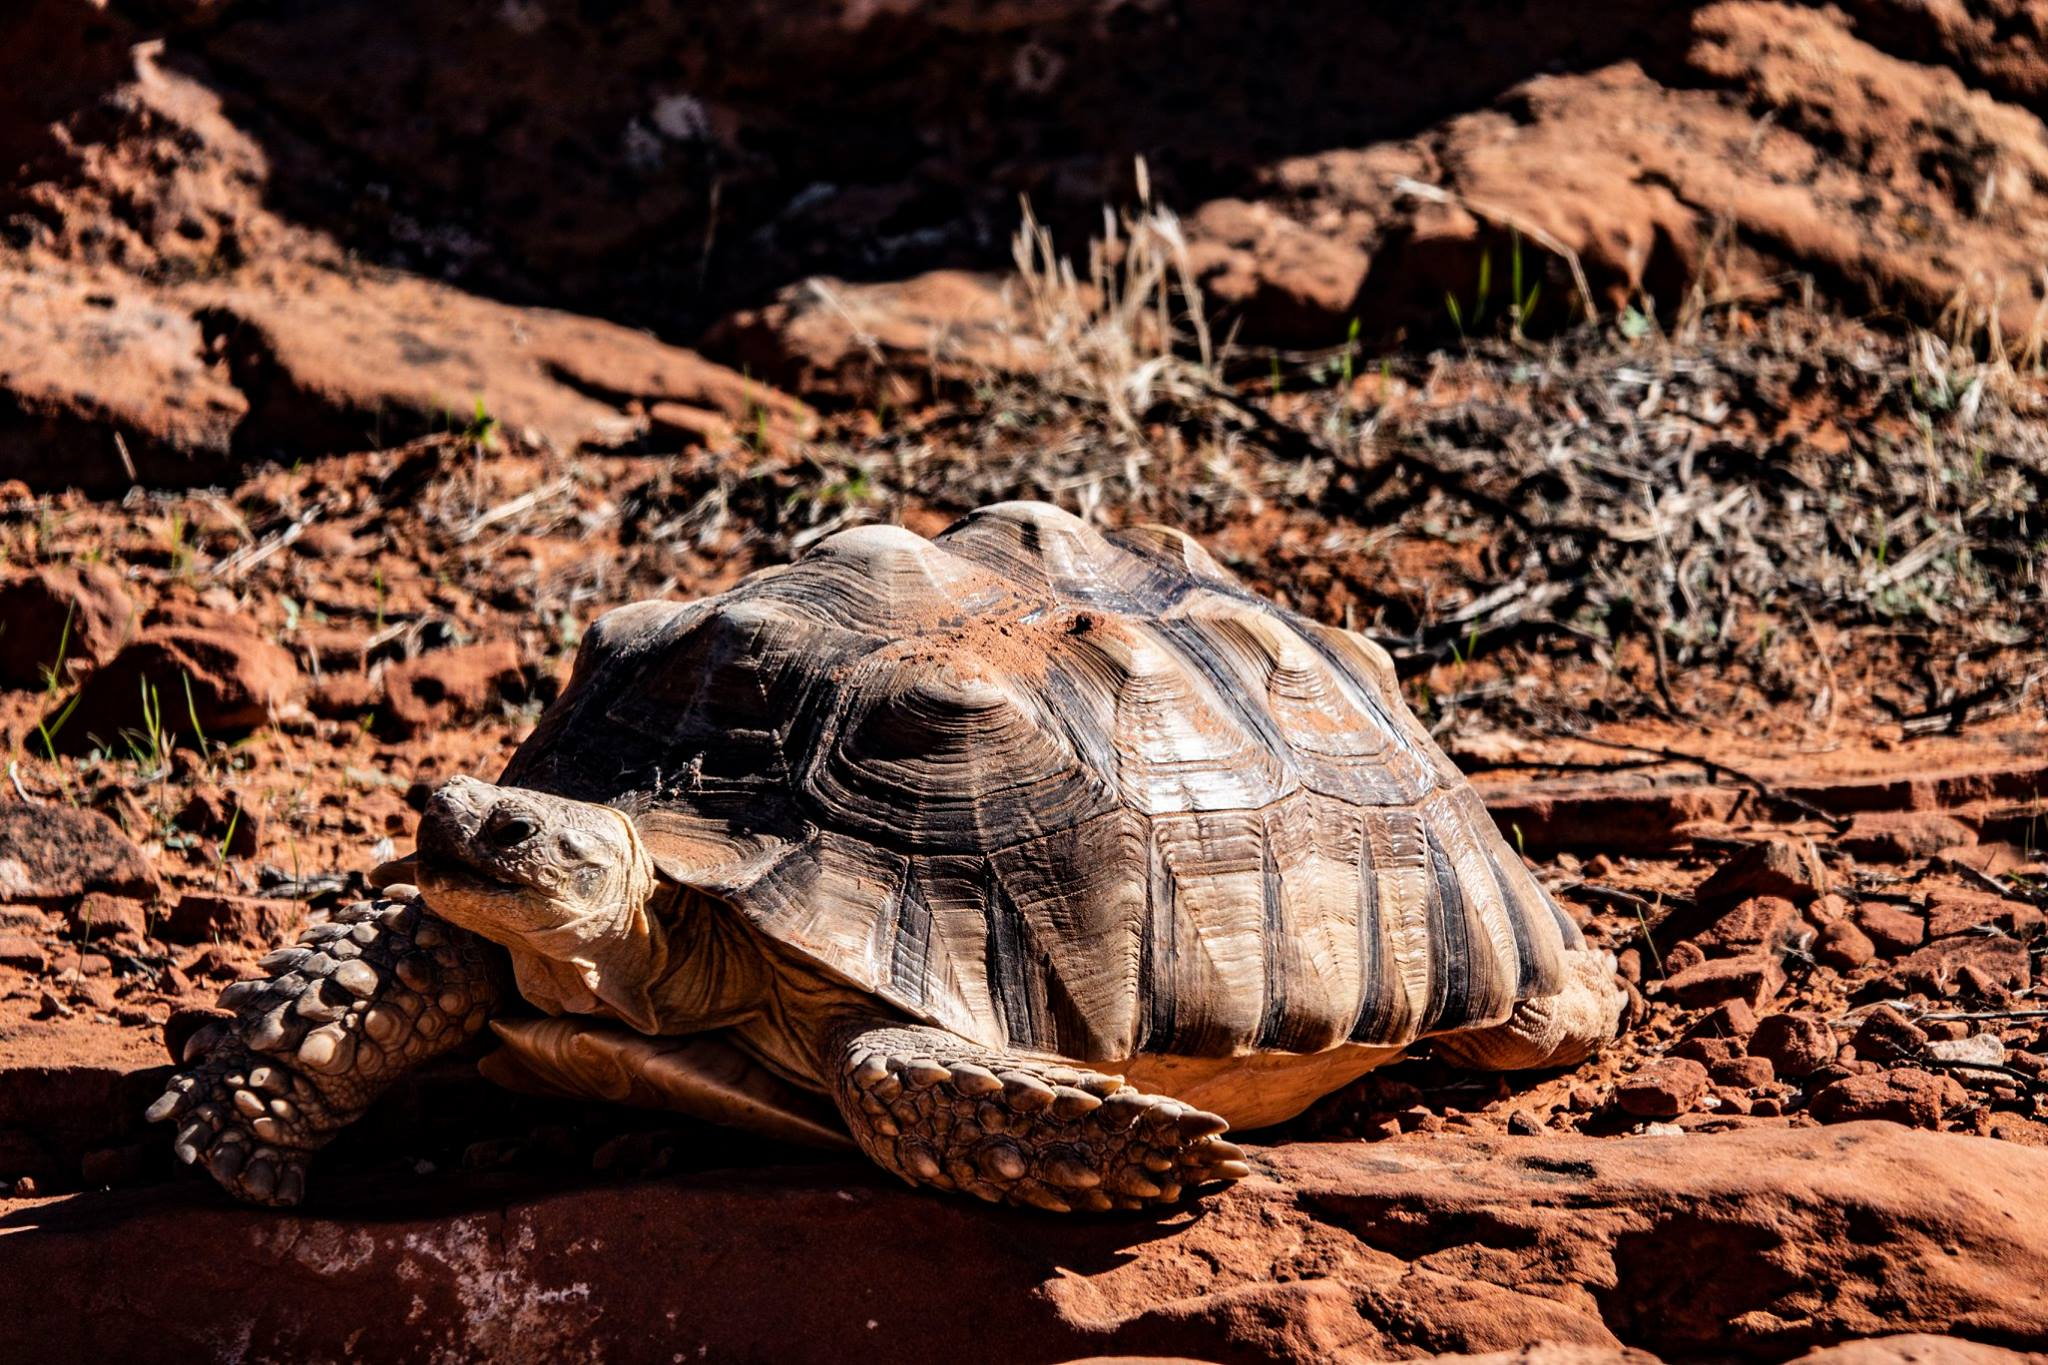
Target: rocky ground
{"x": 1662, "y": 390}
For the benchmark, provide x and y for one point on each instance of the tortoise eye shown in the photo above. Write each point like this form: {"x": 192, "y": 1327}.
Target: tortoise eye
{"x": 508, "y": 829}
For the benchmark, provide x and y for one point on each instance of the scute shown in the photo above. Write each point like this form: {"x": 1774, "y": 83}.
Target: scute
{"x": 888, "y": 580}
{"x": 939, "y": 751}
{"x": 1176, "y": 549}
{"x": 1060, "y": 790}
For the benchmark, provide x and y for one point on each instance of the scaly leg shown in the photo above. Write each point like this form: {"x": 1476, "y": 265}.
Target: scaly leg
{"x": 940, "y": 1111}
{"x": 377, "y": 991}
{"x": 1555, "y": 1030}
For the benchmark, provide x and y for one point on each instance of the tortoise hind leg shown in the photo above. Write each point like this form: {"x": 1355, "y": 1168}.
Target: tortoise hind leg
{"x": 1553, "y": 1030}
{"x": 940, "y": 1111}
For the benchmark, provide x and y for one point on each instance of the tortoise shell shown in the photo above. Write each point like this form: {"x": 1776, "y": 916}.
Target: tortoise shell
{"x": 1058, "y": 790}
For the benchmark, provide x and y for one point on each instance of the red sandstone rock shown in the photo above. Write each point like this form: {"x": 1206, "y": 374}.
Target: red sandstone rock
{"x": 1978, "y": 966}
{"x": 1890, "y": 929}
{"x": 1663, "y": 1089}
{"x": 1783, "y": 868}
{"x": 225, "y": 682}
{"x": 345, "y": 696}
{"x": 220, "y": 816}
{"x": 417, "y": 356}
{"x": 1915, "y": 1348}
{"x": 1846, "y": 165}
{"x": 449, "y": 686}
{"x": 135, "y": 316}
{"x": 1918, "y": 1099}
{"x": 248, "y": 920}
{"x": 1729, "y": 1019}
{"x": 88, "y": 355}
{"x": 19, "y": 950}
{"x": 1330, "y": 1252}
{"x": 1826, "y": 909}
{"x": 74, "y": 615}
{"x": 884, "y": 342}
{"x": 98, "y": 915}
{"x": 1758, "y": 924}
{"x": 1743, "y": 1073}
{"x": 1951, "y": 912}
{"x": 1797, "y": 1044}
{"x": 1886, "y": 1035}
{"x": 1844, "y": 946}
{"x": 1888, "y": 153}
{"x": 1708, "y": 1050}
{"x": 1603, "y": 816}
{"x": 1752, "y": 980}
{"x": 1901, "y": 836}
{"x": 217, "y": 962}
{"x": 1283, "y": 282}
{"x": 51, "y": 854}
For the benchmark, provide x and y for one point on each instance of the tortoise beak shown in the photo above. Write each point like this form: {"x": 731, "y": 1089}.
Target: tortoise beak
{"x": 398, "y": 872}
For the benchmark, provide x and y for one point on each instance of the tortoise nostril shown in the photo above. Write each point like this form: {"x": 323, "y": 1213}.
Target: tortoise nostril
{"x": 509, "y": 829}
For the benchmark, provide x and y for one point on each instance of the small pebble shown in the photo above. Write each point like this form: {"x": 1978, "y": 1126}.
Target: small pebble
{"x": 1844, "y": 947}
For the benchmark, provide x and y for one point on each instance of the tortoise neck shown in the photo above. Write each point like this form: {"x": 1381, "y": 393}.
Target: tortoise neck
{"x": 708, "y": 970}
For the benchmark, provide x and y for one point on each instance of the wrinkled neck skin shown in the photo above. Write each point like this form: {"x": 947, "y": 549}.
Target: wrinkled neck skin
{"x": 600, "y": 963}
{"x": 715, "y": 974}
{"x": 664, "y": 959}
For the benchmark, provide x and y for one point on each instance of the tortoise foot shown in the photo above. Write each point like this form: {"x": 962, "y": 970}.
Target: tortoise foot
{"x": 941, "y": 1112}
{"x": 248, "y": 1120}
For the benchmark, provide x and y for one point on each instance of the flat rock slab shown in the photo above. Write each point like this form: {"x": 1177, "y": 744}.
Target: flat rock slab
{"x": 51, "y": 854}
{"x": 1752, "y": 1245}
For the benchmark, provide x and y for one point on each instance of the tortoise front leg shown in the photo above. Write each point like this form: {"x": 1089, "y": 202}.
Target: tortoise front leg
{"x": 940, "y": 1111}
{"x": 381, "y": 989}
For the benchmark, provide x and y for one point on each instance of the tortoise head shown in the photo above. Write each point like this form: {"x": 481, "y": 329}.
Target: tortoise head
{"x": 528, "y": 869}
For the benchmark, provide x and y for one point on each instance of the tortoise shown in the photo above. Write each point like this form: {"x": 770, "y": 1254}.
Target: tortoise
{"x": 1027, "y": 859}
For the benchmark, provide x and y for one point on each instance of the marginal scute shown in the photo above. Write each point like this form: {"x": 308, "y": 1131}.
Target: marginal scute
{"x": 1059, "y": 791}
